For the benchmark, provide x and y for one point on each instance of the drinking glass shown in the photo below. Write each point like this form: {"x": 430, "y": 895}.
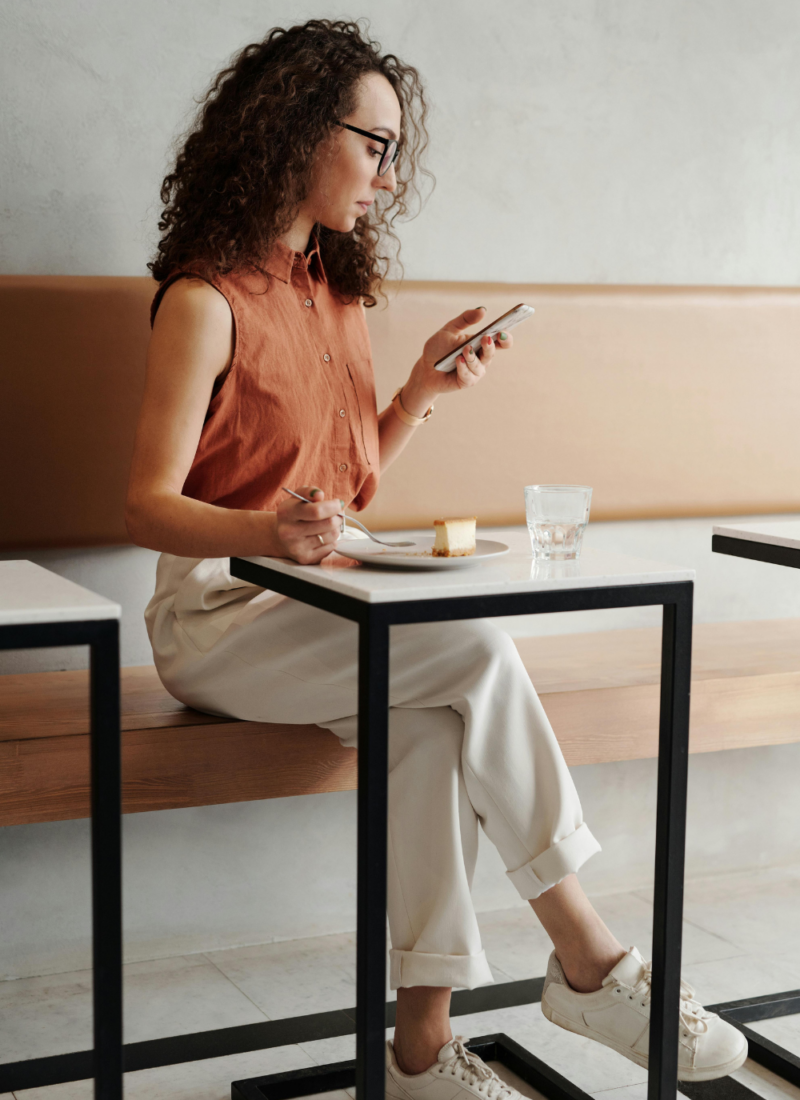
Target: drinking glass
{"x": 557, "y": 516}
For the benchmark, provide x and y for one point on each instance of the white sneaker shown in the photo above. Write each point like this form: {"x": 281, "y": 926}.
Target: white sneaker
{"x": 456, "y": 1075}
{"x": 618, "y": 1015}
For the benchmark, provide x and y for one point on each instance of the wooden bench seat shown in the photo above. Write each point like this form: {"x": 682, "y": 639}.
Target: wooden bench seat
{"x": 600, "y": 691}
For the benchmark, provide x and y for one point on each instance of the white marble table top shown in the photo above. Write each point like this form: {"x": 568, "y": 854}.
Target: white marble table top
{"x": 514, "y": 572}
{"x": 781, "y": 533}
{"x": 31, "y": 594}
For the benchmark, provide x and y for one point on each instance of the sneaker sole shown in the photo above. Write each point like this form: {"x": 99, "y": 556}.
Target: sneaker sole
{"x": 710, "y": 1073}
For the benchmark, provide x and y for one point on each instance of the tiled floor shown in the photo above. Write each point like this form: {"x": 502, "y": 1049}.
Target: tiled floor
{"x": 740, "y": 939}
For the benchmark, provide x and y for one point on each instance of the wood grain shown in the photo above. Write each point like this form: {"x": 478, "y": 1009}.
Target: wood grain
{"x": 622, "y": 658}
{"x": 606, "y": 724}
{"x": 54, "y": 704}
{"x": 48, "y": 780}
{"x": 600, "y": 692}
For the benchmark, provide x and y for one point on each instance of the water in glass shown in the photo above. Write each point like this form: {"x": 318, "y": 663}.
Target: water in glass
{"x": 557, "y": 541}
{"x": 557, "y": 516}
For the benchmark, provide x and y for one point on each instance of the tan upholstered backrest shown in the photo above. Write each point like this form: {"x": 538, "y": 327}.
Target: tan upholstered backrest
{"x": 667, "y": 401}
{"x": 73, "y": 371}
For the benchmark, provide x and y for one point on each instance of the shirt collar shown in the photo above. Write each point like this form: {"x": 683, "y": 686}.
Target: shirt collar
{"x": 282, "y": 260}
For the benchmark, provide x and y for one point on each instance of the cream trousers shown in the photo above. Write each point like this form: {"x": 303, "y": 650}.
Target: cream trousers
{"x": 469, "y": 743}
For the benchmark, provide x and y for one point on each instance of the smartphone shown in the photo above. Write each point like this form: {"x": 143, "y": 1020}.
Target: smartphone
{"x": 502, "y": 324}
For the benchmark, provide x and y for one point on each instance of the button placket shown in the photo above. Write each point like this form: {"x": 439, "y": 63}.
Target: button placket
{"x": 301, "y": 281}
{"x": 341, "y": 410}
{"x": 343, "y": 444}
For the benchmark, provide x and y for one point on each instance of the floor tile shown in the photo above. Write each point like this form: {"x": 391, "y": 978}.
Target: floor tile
{"x": 53, "y": 1014}
{"x": 630, "y": 918}
{"x": 209, "y": 1079}
{"x": 785, "y": 1031}
{"x": 626, "y": 1092}
{"x": 510, "y": 1078}
{"x": 517, "y": 944}
{"x": 341, "y": 1048}
{"x": 756, "y": 911}
{"x": 764, "y": 1082}
{"x": 751, "y": 1075}
{"x": 337, "y": 1094}
{"x": 294, "y": 977}
{"x": 745, "y": 976}
{"x": 297, "y": 977}
{"x": 740, "y": 940}
{"x": 588, "y": 1064}
{"x": 186, "y": 996}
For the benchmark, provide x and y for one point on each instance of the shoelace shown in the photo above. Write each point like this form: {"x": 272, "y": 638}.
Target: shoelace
{"x": 471, "y": 1069}
{"x": 693, "y": 1016}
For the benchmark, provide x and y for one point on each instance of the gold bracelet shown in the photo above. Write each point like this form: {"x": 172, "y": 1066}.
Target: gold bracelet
{"x": 406, "y": 417}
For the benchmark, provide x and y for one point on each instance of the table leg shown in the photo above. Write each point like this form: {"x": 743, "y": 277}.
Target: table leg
{"x": 373, "y": 763}
{"x": 106, "y": 862}
{"x": 673, "y": 757}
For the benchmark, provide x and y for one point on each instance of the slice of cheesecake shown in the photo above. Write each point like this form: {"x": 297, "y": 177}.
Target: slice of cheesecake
{"x": 455, "y": 538}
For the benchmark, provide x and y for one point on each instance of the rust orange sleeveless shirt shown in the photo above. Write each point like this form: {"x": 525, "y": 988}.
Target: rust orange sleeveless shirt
{"x": 297, "y": 406}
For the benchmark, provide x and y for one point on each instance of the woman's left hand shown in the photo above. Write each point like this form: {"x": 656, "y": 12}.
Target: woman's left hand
{"x": 426, "y": 383}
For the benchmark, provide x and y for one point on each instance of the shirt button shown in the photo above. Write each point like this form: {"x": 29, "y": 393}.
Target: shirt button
{"x": 342, "y": 412}
{"x": 342, "y": 467}
{"x": 326, "y": 357}
{"x": 309, "y": 302}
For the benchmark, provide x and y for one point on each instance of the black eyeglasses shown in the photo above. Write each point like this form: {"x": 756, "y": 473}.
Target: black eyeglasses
{"x": 390, "y": 150}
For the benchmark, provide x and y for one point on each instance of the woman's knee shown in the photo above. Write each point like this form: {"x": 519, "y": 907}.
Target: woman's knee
{"x": 485, "y": 646}
{"x": 431, "y": 737}
{"x": 472, "y": 640}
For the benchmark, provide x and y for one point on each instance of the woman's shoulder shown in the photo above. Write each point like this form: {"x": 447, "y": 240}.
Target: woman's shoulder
{"x": 191, "y": 295}
{"x": 195, "y": 327}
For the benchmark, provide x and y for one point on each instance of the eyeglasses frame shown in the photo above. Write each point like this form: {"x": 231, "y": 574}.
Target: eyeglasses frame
{"x": 376, "y": 137}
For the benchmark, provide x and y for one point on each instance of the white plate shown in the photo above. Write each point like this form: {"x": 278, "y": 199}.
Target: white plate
{"x": 419, "y": 555}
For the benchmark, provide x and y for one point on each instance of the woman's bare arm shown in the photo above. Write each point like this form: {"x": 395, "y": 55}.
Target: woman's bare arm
{"x": 190, "y": 347}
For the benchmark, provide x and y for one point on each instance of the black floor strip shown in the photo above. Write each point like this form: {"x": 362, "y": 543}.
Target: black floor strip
{"x": 724, "y": 1088}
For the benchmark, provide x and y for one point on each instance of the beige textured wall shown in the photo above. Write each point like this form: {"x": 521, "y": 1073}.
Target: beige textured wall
{"x": 572, "y": 141}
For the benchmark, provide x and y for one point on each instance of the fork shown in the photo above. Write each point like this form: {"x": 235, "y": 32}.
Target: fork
{"x": 349, "y": 519}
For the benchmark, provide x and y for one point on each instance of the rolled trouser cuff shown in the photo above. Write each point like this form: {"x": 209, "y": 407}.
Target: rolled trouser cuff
{"x": 554, "y": 864}
{"x": 407, "y": 968}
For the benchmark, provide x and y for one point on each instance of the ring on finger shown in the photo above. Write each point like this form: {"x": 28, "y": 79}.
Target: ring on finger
{"x": 321, "y": 539}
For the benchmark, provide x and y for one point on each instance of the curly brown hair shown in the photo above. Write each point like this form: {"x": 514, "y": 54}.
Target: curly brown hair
{"x": 246, "y": 161}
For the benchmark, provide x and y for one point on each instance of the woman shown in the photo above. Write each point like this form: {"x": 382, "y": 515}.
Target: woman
{"x": 259, "y": 376}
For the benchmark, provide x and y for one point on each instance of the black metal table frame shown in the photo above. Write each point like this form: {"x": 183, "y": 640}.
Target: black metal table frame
{"x": 772, "y": 1005}
{"x": 107, "y": 1059}
{"x": 374, "y": 622}
{"x": 104, "y": 1062}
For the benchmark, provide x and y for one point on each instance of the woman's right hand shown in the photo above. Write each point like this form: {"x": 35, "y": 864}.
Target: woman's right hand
{"x": 308, "y": 532}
